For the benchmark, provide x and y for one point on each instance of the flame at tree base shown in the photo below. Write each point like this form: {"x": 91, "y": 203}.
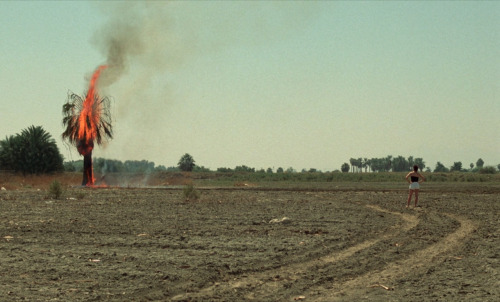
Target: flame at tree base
{"x": 87, "y": 120}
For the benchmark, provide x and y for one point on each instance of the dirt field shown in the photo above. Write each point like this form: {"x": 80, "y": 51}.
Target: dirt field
{"x": 352, "y": 242}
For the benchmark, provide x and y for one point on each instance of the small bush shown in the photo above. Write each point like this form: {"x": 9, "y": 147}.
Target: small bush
{"x": 437, "y": 177}
{"x": 190, "y": 193}
{"x": 487, "y": 170}
{"x": 470, "y": 178}
{"x": 55, "y": 189}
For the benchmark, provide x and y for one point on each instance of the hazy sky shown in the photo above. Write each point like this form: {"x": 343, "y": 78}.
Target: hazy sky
{"x": 263, "y": 84}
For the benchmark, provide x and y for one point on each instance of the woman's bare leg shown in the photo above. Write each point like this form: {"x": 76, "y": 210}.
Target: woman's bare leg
{"x": 409, "y": 198}
{"x": 416, "y": 197}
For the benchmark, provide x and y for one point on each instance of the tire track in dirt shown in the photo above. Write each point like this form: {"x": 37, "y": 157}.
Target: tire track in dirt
{"x": 357, "y": 288}
{"x": 260, "y": 284}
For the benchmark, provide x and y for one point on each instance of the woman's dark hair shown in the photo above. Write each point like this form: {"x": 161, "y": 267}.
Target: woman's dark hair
{"x": 415, "y": 168}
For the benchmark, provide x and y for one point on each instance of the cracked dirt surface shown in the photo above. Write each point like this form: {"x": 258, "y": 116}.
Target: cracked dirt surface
{"x": 121, "y": 244}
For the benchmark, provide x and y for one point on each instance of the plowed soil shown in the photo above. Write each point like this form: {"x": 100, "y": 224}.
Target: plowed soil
{"x": 354, "y": 242}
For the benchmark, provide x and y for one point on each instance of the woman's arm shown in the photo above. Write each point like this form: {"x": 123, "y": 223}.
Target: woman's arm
{"x": 408, "y": 176}
{"x": 421, "y": 176}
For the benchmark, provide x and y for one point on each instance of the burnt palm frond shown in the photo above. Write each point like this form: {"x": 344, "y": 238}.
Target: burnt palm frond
{"x": 98, "y": 118}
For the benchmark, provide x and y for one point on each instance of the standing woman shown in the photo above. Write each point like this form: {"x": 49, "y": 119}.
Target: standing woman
{"x": 414, "y": 179}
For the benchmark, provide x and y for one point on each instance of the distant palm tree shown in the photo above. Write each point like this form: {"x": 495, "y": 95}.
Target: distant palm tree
{"x": 186, "y": 163}
{"x": 42, "y": 154}
{"x": 86, "y": 124}
{"x": 33, "y": 151}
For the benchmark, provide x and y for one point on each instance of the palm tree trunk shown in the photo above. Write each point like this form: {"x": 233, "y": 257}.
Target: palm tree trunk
{"x": 88, "y": 173}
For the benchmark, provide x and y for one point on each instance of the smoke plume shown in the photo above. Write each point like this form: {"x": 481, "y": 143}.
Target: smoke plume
{"x": 146, "y": 43}
{"x": 160, "y": 36}
{"x": 132, "y": 34}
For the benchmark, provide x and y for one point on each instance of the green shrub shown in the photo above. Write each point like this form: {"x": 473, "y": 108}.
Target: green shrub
{"x": 471, "y": 178}
{"x": 437, "y": 177}
{"x": 190, "y": 193}
{"x": 487, "y": 170}
{"x": 55, "y": 189}
{"x": 33, "y": 151}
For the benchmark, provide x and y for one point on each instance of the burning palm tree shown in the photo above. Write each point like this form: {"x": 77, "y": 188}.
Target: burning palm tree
{"x": 85, "y": 121}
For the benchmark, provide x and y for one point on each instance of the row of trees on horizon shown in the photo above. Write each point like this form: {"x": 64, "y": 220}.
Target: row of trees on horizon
{"x": 34, "y": 151}
{"x": 402, "y": 164}
{"x": 187, "y": 163}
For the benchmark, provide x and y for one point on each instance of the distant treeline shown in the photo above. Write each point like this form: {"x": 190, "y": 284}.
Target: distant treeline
{"x": 102, "y": 165}
{"x": 403, "y": 164}
{"x": 386, "y": 164}
{"x": 34, "y": 151}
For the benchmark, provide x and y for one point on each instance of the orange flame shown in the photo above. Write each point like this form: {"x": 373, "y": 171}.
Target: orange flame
{"x": 90, "y": 115}
{"x": 88, "y": 122}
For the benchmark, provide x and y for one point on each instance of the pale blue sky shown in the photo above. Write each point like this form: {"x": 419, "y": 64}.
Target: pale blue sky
{"x": 265, "y": 84}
